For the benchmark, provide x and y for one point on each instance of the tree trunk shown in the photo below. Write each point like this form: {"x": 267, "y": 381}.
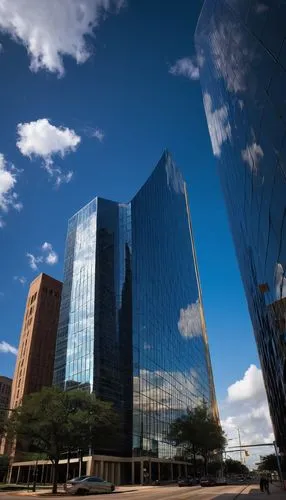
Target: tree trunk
{"x": 55, "y": 475}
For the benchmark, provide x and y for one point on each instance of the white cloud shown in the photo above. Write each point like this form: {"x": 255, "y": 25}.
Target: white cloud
{"x": 246, "y": 408}
{"x": 162, "y": 390}
{"x": 187, "y": 67}
{"x": 218, "y": 124}
{"x": 241, "y": 104}
{"x": 51, "y": 256}
{"x": 34, "y": 261}
{"x": 7, "y": 348}
{"x": 46, "y": 246}
{"x": 261, "y": 7}
{"x": 175, "y": 179}
{"x": 42, "y": 139}
{"x": 147, "y": 347}
{"x": 230, "y": 55}
{"x": 21, "y": 279}
{"x": 94, "y": 132}
{"x": 8, "y": 180}
{"x": 252, "y": 155}
{"x": 52, "y": 29}
{"x": 189, "y": 323}
{"x": 279, "y": 281}
{"x": 251, "y": 385}
{"x": 98, "y": 134}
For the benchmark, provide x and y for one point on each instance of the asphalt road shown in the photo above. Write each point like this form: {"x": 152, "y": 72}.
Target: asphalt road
{"x": 155, "y": 493}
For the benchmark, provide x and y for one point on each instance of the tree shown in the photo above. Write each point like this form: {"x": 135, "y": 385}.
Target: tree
{"x": 55, "y": 422}
{"x": 268, "y": 463}
{"x": 199, "y": 433}
{"x": 4, "y": 464}
{"x": 235, "y": 467}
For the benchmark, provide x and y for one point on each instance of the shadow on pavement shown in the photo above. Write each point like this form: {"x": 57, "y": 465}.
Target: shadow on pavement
{"x": 275, "y": 493}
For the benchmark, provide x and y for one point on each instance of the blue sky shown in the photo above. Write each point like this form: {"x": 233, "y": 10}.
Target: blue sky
{"x": 120, "y": 107}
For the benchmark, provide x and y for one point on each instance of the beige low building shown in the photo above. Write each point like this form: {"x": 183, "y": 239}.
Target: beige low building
{"x": 118, "y": 470}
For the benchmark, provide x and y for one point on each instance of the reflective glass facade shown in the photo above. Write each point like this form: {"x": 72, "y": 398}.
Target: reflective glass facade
{"x": 241, "y": 47}
{"x": 131, "y": 325}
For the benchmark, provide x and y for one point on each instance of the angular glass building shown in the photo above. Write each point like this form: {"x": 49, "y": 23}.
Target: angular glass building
{"x": 132, "y": 327}
{"x": 241, "y": 47}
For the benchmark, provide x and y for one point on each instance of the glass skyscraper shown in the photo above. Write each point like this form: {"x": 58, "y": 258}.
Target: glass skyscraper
{"x": 241, "y": 48}
{"x": 131, "y": 326}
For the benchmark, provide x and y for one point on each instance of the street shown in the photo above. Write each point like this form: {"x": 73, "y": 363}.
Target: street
{"x": 161, "y": 493}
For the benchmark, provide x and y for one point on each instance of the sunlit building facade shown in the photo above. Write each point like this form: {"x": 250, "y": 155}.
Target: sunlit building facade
{"x": 241, "y": 50}
{"x": 131, "y": 326}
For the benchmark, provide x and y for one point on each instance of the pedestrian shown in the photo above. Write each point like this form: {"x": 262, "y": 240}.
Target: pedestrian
{"x": 262, "y": 483}
{"x": 266, "y": 485}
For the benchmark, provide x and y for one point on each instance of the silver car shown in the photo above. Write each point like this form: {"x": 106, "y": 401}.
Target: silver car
{"x": 90, "y": 484}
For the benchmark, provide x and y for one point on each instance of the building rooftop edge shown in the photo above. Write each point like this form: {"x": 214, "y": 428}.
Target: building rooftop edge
{"x": 41, "y": 275}
{"x": 166, "y": 154}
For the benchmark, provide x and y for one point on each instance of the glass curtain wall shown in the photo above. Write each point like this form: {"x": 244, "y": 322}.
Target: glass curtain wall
{"x": 241, "y": 47}
{"x": 170, "y": 368}
{"x": 131, "y": 324}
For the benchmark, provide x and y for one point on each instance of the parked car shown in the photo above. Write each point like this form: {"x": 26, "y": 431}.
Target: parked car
{"x": 208, "y": 481}
{"x": 186, "y": 481}
{"x": 76, "y": 479}
{"x": 221, "y": 481}
{"x": 90, "y": 484}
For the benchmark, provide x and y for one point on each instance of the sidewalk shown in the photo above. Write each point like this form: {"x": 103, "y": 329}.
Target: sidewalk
{"x": 275, "y": 492}
{"x": 47, "y": 492}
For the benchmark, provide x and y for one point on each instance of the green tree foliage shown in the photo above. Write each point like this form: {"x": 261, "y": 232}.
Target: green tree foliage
{"x": 55, "y": 422}
{"x": 214, "y": 466}
{"x": 4, "y": 464}
{"x": 235, "y": 467}
{"x": 198, "y": 433}
{"x": 268, "y": 463}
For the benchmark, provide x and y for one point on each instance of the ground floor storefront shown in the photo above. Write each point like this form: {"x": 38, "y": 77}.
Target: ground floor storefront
{"x": 118, "y": 470}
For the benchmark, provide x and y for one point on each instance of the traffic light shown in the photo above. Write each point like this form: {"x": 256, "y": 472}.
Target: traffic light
{"x": 246, "y": 453}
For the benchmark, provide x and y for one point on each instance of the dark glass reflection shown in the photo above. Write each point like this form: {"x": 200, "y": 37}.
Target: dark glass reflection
{"x": 131, "y": 325}
{"x": 241, "y": 49}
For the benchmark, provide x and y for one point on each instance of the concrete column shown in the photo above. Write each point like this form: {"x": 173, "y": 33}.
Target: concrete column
{"x": 141, "y": 472}
{"x": 29, "y": 472}
{"x": 9, "y": 475}
{"x": 106, "y": 470}
{"x": 101, "y": 468}
{"x": 47, "y": 471}
{"x": 89, "y": 466}
{"x": 112, "y": 472}
{"x": 18, "y": 475}
{"x": 52, "y": 474}
{"x": 43, "y": 471}
{"x": 118, "y": 473}
{"x": 172, "y": 472}
{"x": 132, "y": 472}
{"x": 159, "y": 472}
